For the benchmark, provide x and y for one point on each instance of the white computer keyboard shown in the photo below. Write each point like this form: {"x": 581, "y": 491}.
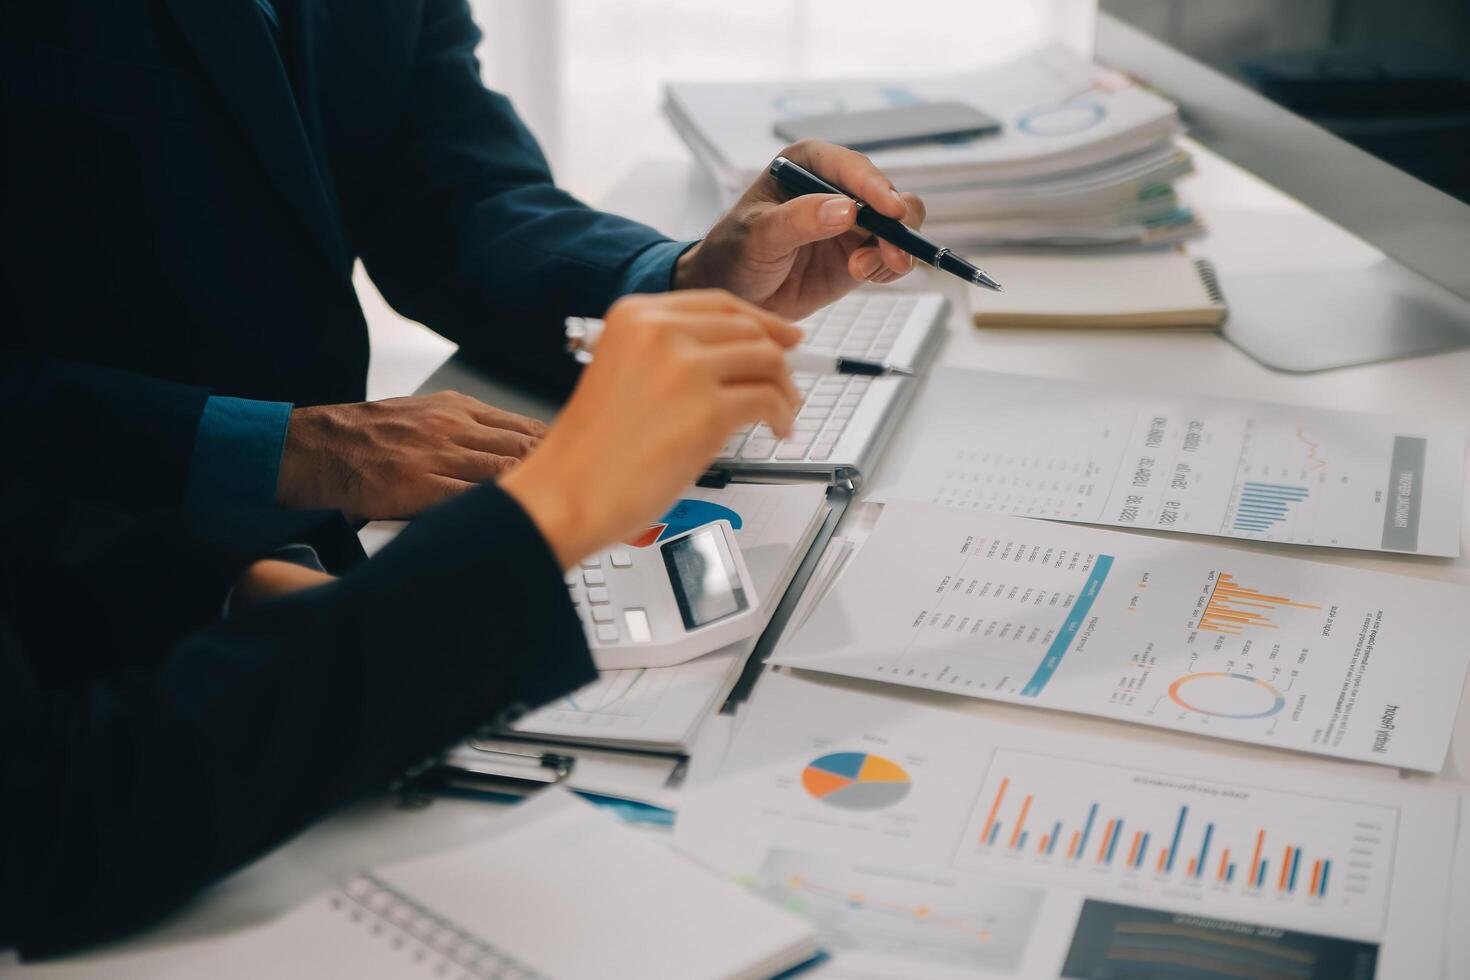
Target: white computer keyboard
{"x": 844, "y": 418}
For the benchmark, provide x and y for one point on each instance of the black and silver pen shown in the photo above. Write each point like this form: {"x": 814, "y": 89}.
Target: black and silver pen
{"x": 797, "y": 180}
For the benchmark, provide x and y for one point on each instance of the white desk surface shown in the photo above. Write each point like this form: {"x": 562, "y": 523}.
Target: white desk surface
{"x": 1253, "y": 227}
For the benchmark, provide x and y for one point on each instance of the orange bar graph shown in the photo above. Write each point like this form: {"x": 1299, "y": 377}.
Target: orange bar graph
{"x": 1192, "y": 865}
{"x": 1072, "y": 850}
{"x": 1256, "y": 858}
{"x": 1224, "y": 863}
{"x": 1020, "y": 821}
{"x": 1133, "y": 850}
{"x": 1316, "y": 876}
{"x": 1285, "y": 869}
{"x": 994, "y": 809}
{"x": 1163, "y": 856}
{"x": 1107, "y": 837}
{"x": 1045, "y": 840}
{"x": 1231, "y": 607}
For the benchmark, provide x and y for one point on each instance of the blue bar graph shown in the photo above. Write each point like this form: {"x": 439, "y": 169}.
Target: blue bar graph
{"x": 1113, "y": 843}
{"x": 1322, "y": 885}
{"x": 1264, "y": 505}
{"x": 1204, "y": 850}
{"x": 1261, "y": 874}
{"x": 1174, "y": 845}
{"x": 1230, "y": 873}
{"x": 994, "y": 832}
{"x": 1142, "y": 850}
{"x": 1051, "y": 842}
{"x": 1296, "y": 859}
{"x": 1021, "y": 841}
{"x": 1086, "y": 830}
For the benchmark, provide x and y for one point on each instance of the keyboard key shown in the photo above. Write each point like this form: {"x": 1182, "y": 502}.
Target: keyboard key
{"x": 792, "y": 450}
{"x": 602, "y": 614}
{"x": 593, "y": 576}
{"x": 817, "y": 412}
{"x": 821, "y": 401}
{"x": 636, "y": 620}
{"x": 571, "y": 578}
{"x": 621, "y": 559}
{"x": 834, "y": 386}
{"x": 732, "y": 446}
{"x": 763, "y": 431}
{"x": 807, "y": 425}
{"x": 758, "y": 449}
{"x": 598, "y": 596}
{"x": 849, "y": 401}
{"x": 821, "y": 454}
{"x": 607, "y": 633}
{"x": 592, "y": 561}
{"x": 842, "y": 413}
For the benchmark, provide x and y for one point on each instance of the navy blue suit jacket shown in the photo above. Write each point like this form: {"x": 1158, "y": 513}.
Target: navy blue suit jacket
{"x": 183, "y": 201}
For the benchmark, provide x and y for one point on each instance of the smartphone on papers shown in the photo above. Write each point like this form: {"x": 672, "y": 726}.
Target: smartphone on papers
{"x": 879, "y": 129}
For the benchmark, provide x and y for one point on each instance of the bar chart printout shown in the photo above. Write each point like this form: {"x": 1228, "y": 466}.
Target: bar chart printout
{"x": 1233, "y": 608}
{"x": 1258, "y": 852}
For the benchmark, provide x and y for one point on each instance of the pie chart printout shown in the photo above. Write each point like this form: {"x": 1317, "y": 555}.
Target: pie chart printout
{"x": 856, "y": 781}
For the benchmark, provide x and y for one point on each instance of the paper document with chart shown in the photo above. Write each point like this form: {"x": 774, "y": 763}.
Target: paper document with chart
{"x": 926, "y": 844}
{"x": 1214, "y": 641}
{"x": 1072, "y": 451}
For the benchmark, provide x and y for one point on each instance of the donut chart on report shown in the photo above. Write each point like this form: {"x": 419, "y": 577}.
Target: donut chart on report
{"x": 1225, "y": 695}
{"x": 855, "y": 781}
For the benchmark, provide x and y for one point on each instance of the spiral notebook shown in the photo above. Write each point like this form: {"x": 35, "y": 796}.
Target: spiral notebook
{"x": 560, "y": 890}
{"x": 1160, "y": 289}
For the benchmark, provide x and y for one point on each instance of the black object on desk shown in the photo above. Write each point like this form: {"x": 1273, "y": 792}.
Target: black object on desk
{"x": 797, "y": 180}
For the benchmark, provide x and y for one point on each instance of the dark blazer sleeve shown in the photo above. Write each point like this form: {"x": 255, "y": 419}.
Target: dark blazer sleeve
{"x": 464, "y": 230}
{"x": 124, "y": 797}
{"x": 99, "y": 434}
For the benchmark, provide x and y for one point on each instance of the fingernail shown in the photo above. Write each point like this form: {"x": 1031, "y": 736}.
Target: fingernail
{"x": 898, "y": 198}
{"x": 868, "y": 264}
{"x": 835, "y": 213}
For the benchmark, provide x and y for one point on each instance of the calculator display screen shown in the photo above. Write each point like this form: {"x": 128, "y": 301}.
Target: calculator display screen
{"x": 702, "y": 572}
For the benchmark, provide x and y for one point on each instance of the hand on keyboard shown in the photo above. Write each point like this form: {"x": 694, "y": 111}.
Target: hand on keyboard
{"x": 674, "y": 375}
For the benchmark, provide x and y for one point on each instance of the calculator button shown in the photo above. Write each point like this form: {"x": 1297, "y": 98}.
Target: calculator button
{"x": 594, "y": 576}
{"x": 602, "y": 614}
{"x": 637, "y": 622}
{"x": 592, "y": 561}
{"x": 597, "y": 596}
{"x": 607, "y": 633}
{"x": 571, "y": 578}
{"x": 621, "y": 559}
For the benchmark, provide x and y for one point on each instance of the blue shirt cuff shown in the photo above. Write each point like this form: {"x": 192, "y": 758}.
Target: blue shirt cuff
{"x": 237, "y": 454}
{"x": 652, "y": 270}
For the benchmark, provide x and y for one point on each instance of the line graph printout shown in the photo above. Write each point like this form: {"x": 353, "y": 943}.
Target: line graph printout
{"x": 1214, "y": 641}
{"x": 1032, "y": 447}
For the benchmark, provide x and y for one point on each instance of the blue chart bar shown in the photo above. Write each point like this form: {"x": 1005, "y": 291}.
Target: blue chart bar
{"x": 1230, "y": 873}
{"x": 1142, "y": 850}
{"x": 1263, "y": 505}
{"x": 1086, "y": 831}
{"x": 1261, "y": 874}
{"x": 1204, "y": 850}
{"x": 1296, "y": 858}
{"x": 1051, "y": 842}
{"x": 1178, "y": 831}
{"x": 1021, "y": 841}
{"x": 1322, "y": 885}
{"x": 994, "y": 833}
{"x": 1113, "y": 841}
{"x": 1068, "y": 632}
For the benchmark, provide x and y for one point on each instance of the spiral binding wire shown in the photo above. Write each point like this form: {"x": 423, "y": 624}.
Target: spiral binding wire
{"x": 1211, "y": 280}
{"x": 444, "y": 950}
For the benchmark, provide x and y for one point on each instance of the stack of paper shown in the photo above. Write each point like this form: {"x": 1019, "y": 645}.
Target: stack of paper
{"x": 1084, "y": 155}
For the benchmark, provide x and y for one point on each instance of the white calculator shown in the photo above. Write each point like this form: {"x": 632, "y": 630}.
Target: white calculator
{"x": 667, "y": 603}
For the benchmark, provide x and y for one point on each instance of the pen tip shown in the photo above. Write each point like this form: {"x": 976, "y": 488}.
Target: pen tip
{"x": 981, "y": 279}
{"x": 900, "y": 372}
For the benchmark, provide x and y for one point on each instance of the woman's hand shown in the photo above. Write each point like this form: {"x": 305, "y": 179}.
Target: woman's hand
{"x": 674, "y": 375}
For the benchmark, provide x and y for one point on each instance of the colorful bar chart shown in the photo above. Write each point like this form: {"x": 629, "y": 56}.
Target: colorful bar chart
{"x": 1234, "y": 843}
{"x": 1261, "y": 506}
{"x": 1233, "y": 608}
